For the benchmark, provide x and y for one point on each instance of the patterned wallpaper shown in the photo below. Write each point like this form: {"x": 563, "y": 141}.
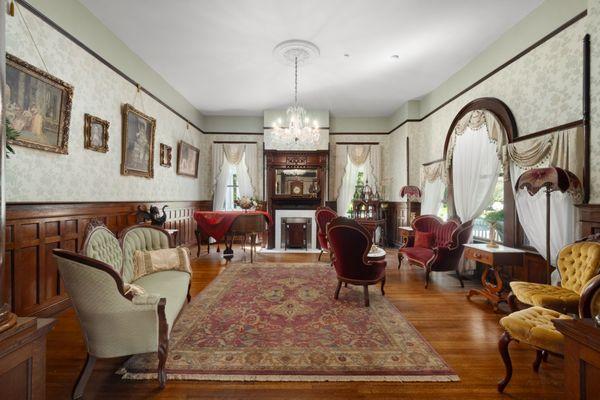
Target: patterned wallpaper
{"x": 85, "y": 175}
{"x": 542, "y": 88}
{"x": 593, "y": 28}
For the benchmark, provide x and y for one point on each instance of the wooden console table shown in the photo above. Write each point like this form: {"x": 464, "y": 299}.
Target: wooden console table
{"x": 493, "y": 259}
{"x": 23, "y": 359}
{"x": 582, "y": 358}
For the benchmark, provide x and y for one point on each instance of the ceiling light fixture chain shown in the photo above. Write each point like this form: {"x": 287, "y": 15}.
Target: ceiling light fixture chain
{"x": 299, "y": 128}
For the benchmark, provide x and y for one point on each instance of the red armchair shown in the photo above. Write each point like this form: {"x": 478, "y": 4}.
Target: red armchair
{"x": 349, "y": 244}
{"x": 323, "y": 215}
{"x": 447, "y": 247}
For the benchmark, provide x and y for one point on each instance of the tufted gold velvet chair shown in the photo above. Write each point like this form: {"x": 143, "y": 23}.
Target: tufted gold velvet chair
{"x": 533, "y": 326}
{"x": 577, "y": 263}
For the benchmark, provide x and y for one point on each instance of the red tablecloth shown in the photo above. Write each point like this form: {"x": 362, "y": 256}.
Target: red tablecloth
{"x": 217, "y": 223}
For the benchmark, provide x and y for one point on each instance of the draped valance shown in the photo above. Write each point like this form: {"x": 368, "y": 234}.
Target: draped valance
{"x": 358, "y": 154}
{"x": 432, "y": 172}
{"x": 476, "y": 120}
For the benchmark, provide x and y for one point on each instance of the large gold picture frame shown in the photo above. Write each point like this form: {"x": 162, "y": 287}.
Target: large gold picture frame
{"x": 137, "y": 150}
{"x": 38, "y": 105}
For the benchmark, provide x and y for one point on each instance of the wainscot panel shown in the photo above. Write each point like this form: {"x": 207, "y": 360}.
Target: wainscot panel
{"x": 31, "y": 281}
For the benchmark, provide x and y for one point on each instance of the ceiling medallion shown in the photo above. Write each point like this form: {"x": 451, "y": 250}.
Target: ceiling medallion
{"x": 299, "y": 127}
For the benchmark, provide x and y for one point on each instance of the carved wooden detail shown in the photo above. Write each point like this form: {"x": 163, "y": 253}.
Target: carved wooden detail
{"x": 31, "y": 284}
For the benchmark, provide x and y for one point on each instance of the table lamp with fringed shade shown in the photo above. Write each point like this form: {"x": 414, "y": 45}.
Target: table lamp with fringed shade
{"x": 551, "y": 179}
{"x": 412, "y": 193}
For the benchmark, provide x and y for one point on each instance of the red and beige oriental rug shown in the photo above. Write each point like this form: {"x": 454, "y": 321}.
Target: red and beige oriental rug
{"x": 279, "y": 322}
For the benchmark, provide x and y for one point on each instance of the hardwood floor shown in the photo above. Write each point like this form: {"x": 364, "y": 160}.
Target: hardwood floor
{"x": 465, "y": 333}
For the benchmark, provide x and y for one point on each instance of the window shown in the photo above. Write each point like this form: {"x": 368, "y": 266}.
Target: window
{"x": 443, "y": 211}
{"x": 493, "y": 213}
{"x": 232, "y": 190}
{"x": 360, "y": 183}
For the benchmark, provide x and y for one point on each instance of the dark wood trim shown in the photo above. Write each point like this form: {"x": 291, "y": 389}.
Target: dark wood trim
{"x": 234, "y": 133}
{"x": 407, "y": 161}
{"x": 498, "y": 69}
{"x": 357, "y": 143}
{"x": 163, "y": 342}
{"x": 356, "y": 133}
{"x": 93, "y": 263}
{"x": 587, "y": 297}
{"x": 267, "y": 128}
{"x": 232, "y": 142}
{"x": 433, "y": 162}
{"x": 586, "y": 117}
{"x": 97, "y": 56}
{"x": 546, "y": 131}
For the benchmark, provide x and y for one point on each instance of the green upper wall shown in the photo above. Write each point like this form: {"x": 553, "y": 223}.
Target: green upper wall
{"x": 543, "y": 20}
{"x": 77, "y": 20}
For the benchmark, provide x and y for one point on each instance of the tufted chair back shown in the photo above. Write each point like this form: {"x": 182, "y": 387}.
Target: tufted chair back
{"x": 141, "y": 237}
{"x": 578, "y": 263}
{"x": 101, "y": 244}
{"x": 324, "y": 215}
{"x": 442, "y": 231}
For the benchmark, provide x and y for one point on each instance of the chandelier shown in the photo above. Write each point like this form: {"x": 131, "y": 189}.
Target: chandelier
{"x": 300, "y": 129}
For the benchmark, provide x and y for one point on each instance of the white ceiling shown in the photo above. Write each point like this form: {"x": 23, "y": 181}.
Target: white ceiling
{"x": 218, "y": 53}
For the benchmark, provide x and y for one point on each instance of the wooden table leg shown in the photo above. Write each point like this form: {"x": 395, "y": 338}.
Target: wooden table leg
{"x": 197, "y": 232}
{"x": 228, "y": 252}
{"x": 491, "y": 291}
{"x": 252, "y": 246}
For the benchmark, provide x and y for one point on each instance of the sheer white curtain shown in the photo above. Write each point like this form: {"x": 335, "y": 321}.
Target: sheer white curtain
{"x": 475, "y": 170}
{"x": 230, "y": 159}
{"x": 559, "y": 149}
{"x": 432, "y": 182}
{"x": 357, "y": 160}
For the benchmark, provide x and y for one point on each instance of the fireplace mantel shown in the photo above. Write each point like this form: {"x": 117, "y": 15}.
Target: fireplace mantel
{"x": 294, "y": 160}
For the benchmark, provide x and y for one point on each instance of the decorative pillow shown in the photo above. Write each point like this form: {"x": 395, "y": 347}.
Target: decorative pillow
{"x": 424, "y": 239}
{"x": 148, "y": 262}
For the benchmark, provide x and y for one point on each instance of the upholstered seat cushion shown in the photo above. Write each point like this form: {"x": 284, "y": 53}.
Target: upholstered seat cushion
{"x": 553, "y": 297}
{"x": 418, "y": 254}
{"x": 534, "y": 327}
{"x": 171, "y": 285}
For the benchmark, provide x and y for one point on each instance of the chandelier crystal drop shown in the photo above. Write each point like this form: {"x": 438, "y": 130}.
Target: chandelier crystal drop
{"x": 299, "y": 127}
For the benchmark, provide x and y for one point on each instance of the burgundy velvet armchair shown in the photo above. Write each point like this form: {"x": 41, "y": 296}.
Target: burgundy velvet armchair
{"x": 350, "y": 244}
{"x": 323, "y": 215}
{"x": 446, "y": 247}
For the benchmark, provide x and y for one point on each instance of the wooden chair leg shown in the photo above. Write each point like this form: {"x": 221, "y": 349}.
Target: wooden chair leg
{"x": 382, "y": 285}
{"x": 337, "y": 290}
{"x": 427, "y": 273}
{"x": 366, "y": 294}
{"x": 539, "y": 355}
{"x": 459, "y": 276}
{"x": 320, "y": 254}
{"x": 83, "y": 377}
{"x": 400, "y": 260}
{"x": 505, "y": 339}
{"x": 545, "y": 355}
{"x": 512, "y": 302}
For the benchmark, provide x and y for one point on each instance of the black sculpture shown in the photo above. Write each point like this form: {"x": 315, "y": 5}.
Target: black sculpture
{"x": 153, "y": 216}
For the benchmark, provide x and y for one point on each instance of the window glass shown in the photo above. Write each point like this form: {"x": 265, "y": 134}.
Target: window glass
{"x": 493, "y": 214}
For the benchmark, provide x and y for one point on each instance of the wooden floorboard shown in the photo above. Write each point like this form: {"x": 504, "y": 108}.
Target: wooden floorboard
{"x": 465, "y": 333}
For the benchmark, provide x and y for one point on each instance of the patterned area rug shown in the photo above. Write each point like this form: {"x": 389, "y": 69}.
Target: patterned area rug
{"x": 279, "y": 322}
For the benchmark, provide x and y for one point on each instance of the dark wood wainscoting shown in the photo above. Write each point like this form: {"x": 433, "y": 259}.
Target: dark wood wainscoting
{"x": 397, "y": 216}
{"x": 589, "y": 219}
{"x": 31, "y": 282}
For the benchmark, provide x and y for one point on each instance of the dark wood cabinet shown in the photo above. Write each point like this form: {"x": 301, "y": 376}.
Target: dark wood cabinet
{"x": 397, "y": 215}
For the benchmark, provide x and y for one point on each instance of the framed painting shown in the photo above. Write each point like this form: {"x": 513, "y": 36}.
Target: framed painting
{"x": 95, "y": 133}
{"x": 187, "y": 159}
{"x": 165, "y": 155}
{"x": 137, "y": 150}
{"x": 38, "y": 105}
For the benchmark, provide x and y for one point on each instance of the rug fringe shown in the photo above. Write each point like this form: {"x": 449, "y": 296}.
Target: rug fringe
{"x": 297, "y": 378}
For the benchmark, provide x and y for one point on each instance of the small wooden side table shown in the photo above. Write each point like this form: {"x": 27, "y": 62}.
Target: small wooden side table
{"x": 407, "y": 235}
{"x": 493, "y": 259}
{"x": 174, "y": 234}
{"x": 582, "y": 358}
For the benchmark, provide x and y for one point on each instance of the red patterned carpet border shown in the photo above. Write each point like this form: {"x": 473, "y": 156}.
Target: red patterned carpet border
{"x": 279, "y": 322}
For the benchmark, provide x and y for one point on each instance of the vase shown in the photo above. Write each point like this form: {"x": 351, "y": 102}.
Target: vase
{"x": 492, "y": 243}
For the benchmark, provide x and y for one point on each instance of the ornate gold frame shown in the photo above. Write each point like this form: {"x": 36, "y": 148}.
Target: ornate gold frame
{"x": 125, "y": 110}
{"x": 65, "y": 107}
{"x": 87, "y": 133}
{"x": 179, "y": 151}
{"x": 166, "y": 151}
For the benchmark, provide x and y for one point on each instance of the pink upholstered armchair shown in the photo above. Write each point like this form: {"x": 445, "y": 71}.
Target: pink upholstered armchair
{"x": 445, "y": 247}
{"x": 349, "y": 244}
{"x": 323, "y": 215}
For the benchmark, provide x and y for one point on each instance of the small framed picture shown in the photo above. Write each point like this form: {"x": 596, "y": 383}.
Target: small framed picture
{"x": 95, "y": 134}
{"x": 187, "y": 159}
{"x": 165, "y": 155}
{"x": 137, "y": 156}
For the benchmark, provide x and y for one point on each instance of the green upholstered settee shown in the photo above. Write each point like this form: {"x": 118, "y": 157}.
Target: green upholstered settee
{"x": 115, "y": 321}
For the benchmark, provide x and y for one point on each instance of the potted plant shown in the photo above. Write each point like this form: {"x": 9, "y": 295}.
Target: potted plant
{"x": 11, "y": 134}
{"x": 493, "y": 218}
